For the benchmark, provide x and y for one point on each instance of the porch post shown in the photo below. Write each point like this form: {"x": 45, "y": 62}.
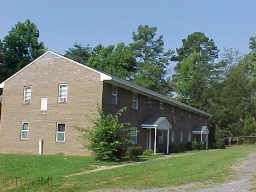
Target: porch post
{"x": 168, "y": 138}
{"x": 201, "y": 136}
{"x": 149, "y": 144}
{"x": 207, "y": 142}
{"x": 155, "y": 143}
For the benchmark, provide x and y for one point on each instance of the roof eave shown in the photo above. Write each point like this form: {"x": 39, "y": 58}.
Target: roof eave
{"x": 158, "y": 96}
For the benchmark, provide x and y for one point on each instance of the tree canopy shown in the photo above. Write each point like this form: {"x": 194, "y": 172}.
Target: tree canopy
{"x": 19, "y": 47}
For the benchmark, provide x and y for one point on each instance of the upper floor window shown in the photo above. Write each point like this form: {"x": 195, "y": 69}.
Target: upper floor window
{"x": 161, "y": 106}
{"x": 24, "y": 131}
{"x": 114, "y": 95}
{"x": 150, "y": 105}
{"x": 44, "y": 104}
{"x": 63, "y": 93}
{"x": 182, "y": 115}
{"x": 60, "y": 132}
{"x": 135, "y": 101}
{"x": 27, "y": 94}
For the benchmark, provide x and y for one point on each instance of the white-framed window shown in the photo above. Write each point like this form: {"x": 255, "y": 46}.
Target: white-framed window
{"x": 172, "y": 137}
{"x": 114, "y": 95}
{"x": 161, "y": 106}
{"x": 181, "y": 137}
{"x": 133, "y": 135}
{"x": 60, "y": 132}
{"x": 27, "y": 92}
{"x": 135, "y": 101}
{"x": 44, "y": 103}
{"x": 24, "y": 131}
{"x": 149, "y": 102}
{"x": 189, "y": 137}
{"x": 63, "y": 93}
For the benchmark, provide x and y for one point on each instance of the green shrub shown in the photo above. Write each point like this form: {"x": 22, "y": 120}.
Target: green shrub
{"x": 188, "y": 146}
{"x": 220, "y": 144}
{"x": 198, "y": 145}
{"x": 109, "y": 138}
{"x": 148, "y": 152}
{"x": 177, "y": 148}
{"x": 133, "y": 152}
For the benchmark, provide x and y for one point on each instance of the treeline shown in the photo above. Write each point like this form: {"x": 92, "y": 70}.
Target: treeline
{"x": 221, "y": 83}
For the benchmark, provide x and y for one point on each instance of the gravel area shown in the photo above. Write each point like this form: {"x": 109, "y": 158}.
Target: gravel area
{"x": 241, "y": 182}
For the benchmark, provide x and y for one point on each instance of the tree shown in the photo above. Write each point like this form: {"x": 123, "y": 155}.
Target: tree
{"x": 79, "y": 53}
{"x": 20, "y": 47}
{"x": 109, "y": 137}
{"x": 115, "y": 60}
{"x": 152, "y": 60}
{"x": 196, "y": 71}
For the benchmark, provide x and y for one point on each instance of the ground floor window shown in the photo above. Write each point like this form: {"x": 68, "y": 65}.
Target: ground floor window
{"x": 24, "y": 130}
{"x": 133, "y": 135}
{"x": 172, "y": 137}
{"x": 60, "y": 132}
{"x": 161, "y": 137}
{"x": 181, "y": 137}
{"x": 189, "y": 137}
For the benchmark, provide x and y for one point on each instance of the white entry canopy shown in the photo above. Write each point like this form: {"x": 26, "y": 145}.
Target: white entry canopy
{"x": 200, "y": 130}
{"x": 157, "y": 122}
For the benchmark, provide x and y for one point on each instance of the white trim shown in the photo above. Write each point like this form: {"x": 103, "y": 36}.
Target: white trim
{"x": 22, "y": 123}
{"x": 24, "y": 94}
{"x": 64, "y": 133}
{"x": 59, "y": 98}
{"x": 103, "y": 76}
{"x": 1, "y": 85}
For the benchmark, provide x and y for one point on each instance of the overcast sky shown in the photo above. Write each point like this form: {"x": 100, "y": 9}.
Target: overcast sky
{"x": 63, "y": 22}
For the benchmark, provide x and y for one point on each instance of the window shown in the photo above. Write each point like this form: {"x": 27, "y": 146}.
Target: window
{"x": 114, "y": 95}
{"x": 189, "y": 137}
{"x": 63, "y": 93}
{"x": 181, "y": 115}
{"x": 44, "y": 102}
{"x": 24, "y": 131}
{"x": 27, "y": 94}
{"x": 161, "y": 106}
{"x": 149, "y": 102}
{"x": 181, "y": 137}
{"x": 60, "y": 134}
{"x": 161, "y": 138}
{"x": 135, "y": 102}
{"x": 133, "y": 135}
{"x": 172, "y": 137}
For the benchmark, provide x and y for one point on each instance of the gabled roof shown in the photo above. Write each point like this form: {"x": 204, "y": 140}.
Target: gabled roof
{"x": 115, "y": 80}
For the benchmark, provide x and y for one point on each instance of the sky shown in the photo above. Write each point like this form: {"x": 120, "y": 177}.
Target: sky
{"x": 64, "y": 22}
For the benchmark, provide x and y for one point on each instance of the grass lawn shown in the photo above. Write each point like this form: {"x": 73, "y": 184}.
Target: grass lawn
{"x": 211, "y": 166}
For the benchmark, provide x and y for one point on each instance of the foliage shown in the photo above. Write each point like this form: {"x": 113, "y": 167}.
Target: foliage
{"x": 19, "y": 47}
{"x": 196, "y": 71}
{"x": 108, "y": 137}
{"x": 198, "y": 145}
{"x": 79, "y": 53}
{"x": 133, "y": 152}
{"x": 152, "y": 60}
{"x": 148, "y": 152}
{"x": 177, "y": 148}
